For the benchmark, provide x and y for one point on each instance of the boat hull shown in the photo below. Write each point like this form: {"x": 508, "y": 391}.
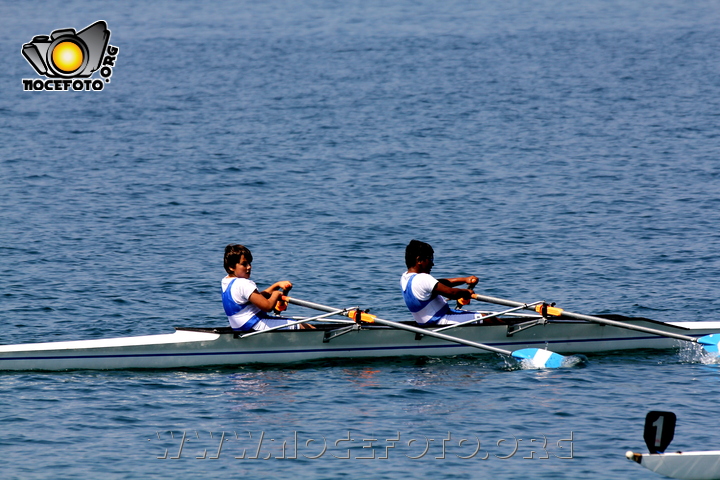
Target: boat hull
{"x": 684, "y": 465}
{"x": 205, "y": 347}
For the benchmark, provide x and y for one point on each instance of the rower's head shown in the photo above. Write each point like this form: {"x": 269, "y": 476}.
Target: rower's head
{"x": 419, "y": 253}
{"x": 237, "y": 256}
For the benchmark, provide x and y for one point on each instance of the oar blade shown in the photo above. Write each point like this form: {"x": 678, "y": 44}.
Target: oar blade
{"x": 539, "y": 358}
{"x": 710, "y": 342}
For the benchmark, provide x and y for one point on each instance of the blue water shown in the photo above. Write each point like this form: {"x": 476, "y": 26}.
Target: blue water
{"x": 565, "y": 152}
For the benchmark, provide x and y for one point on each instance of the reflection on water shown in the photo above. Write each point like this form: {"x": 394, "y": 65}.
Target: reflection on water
{"x": 363, "y": 377}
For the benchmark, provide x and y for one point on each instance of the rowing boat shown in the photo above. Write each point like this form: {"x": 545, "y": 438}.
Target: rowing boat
{"x": 658, "y": 433}
{"x": 196, "y": 347}
{"x": 703, "y": 465}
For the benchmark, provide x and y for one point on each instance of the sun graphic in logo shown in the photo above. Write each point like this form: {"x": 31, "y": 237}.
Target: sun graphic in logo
{"x": 67, "y": 56}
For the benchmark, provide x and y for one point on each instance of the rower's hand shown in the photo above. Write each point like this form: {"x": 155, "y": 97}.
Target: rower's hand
{"x": 471, "y": 281}
{"x": 283, "y": 287}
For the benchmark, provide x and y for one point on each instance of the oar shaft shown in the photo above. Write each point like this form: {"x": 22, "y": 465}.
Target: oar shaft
{"x": 402, "y": 326}
{"x": 290, "y": 324}
{"x": 305, "y": 303}
{"x": 589, "y": 318}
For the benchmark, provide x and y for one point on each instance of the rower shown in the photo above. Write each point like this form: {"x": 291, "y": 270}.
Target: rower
{"x": 425, "y": 295}
{"x": 244, "y": 305}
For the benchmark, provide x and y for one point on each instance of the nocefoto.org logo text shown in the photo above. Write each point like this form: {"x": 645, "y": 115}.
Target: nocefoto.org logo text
{"x": 67, "y": 59}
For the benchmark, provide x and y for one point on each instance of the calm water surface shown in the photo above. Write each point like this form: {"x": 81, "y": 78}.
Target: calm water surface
{"x": 565, "y": 152}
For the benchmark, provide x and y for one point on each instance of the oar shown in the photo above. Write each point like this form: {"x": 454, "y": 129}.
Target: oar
{"x": 290, "y": 324}
{"x": 534, "y": 356}
{"x": 484, "y": 317}
{"x": 709, "y": 342}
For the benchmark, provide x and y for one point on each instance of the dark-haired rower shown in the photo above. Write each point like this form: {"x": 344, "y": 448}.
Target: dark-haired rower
{"x": 425, "y": 295}
{"x": 244, "y": 305}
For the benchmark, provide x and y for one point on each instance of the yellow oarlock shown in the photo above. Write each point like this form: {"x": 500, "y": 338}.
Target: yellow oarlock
{"x": 360, "y": 316}
{"x": 543, "y": 309}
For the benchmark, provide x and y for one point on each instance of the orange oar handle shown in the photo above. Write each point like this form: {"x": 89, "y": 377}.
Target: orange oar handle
{"x": 281, "y": 304}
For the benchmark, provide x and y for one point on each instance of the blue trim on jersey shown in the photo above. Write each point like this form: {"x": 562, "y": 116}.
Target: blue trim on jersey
{"x": 233, "y": 308}
{"x": 229, "y": 304}
{"x": 415, "y": 305}
{"x": 249, "y": 325}
{"x": 438, "y": 315}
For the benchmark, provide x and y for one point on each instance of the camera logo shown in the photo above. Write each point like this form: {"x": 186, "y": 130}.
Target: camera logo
{"x": 67, "y": 56}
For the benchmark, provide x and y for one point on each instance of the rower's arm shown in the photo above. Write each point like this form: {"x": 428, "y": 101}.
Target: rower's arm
{"x": 265, "y": 303}
{"x": 450, "y": 292}
{"x": 471, "y": 281}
